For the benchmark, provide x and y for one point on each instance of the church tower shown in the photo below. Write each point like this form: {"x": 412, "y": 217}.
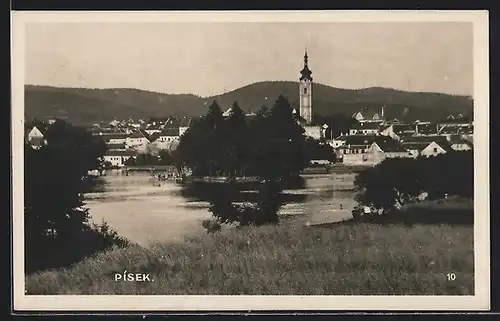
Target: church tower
{"x": 305, "y": 92}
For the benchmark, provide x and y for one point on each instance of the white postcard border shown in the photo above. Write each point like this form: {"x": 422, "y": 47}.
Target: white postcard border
{"x": 481, "y": 299}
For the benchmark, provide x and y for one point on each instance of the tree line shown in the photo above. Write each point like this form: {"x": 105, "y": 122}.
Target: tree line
{"x": 270, "y": 145}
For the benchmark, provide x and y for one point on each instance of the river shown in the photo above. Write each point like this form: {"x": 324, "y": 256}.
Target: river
{"x": 143, "y": 213}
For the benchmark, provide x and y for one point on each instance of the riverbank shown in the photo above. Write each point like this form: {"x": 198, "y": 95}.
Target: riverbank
{"x": 347, "y": 258}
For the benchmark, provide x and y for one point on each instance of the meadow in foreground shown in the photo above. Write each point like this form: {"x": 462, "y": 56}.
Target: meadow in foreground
{"x": 346, "y": 259}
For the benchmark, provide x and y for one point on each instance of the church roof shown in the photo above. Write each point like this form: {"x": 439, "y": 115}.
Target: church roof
{"x": 305, "y": 72}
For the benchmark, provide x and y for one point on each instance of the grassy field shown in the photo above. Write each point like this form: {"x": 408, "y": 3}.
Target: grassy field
{"x": 346, "y": 259}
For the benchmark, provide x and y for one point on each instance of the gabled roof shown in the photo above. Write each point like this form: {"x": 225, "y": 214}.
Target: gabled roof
{"x": 445, "y": 145}
{"x": 36, "y": 131}
{"x": 368, "y": 114}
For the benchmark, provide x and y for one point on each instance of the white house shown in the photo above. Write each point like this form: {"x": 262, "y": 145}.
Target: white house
{"x": 335, "y": 143}
{"x": 313, "y": 131}
{"x": 184, "y": 125}
{"x": 369, "y": 116}
{"x": 117, "y": 158}
{"x": 434, "y": 149}
{"x": 35, "y": 138}
{"x": 387, "y": 148}
{"x": 168, "y": 134}
{"x": 365, "y": 128}
{"x": 35, "y": 133}
{"x": 354, "y": 149}
{"x": 137, "y": 140}
{"x": 427, "y": 145}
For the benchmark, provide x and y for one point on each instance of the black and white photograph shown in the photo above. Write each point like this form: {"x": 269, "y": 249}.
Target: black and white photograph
{"x": 266, "y": 160}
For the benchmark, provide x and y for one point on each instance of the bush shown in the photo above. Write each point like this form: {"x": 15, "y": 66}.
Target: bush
{"x": 211, "y": 226}
{"x": 263, "y": 211}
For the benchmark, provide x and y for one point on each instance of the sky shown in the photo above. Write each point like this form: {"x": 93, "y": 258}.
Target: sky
{"x": 209, "y": 58}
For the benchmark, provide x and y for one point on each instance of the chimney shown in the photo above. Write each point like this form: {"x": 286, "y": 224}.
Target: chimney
{"x": 382, "y": 111}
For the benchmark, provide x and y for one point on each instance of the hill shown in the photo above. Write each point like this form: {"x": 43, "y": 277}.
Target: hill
{"x": 82, "y": 105}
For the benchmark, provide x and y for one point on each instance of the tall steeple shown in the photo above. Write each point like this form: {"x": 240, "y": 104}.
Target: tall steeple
{"x": 305, "y": 91}
{"x": 305, "y": 72}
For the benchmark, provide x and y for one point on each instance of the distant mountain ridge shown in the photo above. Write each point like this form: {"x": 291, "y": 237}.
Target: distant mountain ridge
{"x": 86, "y": 106}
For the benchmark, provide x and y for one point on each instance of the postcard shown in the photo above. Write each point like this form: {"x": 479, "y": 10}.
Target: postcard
{"x": 250, "y": 161}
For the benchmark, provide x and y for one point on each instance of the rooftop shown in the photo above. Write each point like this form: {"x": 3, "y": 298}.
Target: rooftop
{"x": 169, "y": 132}
{"x": 389, "y": 145}
{"x": 108, "y": 137}
{"x": 120, "y": 153}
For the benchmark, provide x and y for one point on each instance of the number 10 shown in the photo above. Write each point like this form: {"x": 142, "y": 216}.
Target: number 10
{"x": 451, "y": 276}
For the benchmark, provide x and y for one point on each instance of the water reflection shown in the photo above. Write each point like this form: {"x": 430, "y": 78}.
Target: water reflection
{"x": 143, "y": 212}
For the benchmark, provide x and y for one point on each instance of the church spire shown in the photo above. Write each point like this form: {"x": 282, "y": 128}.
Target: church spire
{"x": 305, "y": 72}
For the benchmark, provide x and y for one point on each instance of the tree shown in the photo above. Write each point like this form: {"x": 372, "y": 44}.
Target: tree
{"x": 263, "y": 111}
{"x": 214, "y": 116}
{"x": 236, "y": 140}
{"x": 397, "y": 182}
{"x": 277, "y": 139}
{"x": 165, "y": 157}
{"x": 55, "y": 180}
{"x": 338, "y": 124}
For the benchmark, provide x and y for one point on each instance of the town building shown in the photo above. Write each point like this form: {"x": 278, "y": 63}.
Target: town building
{"x": 114, "y": 138}
{"x": 369, "y": 149}
{"x": 117, "y": 158}
{"x": 365, "y": 128}
{"x": 426, "y": 145}
{"x": 367, "y": 115}
{"x": 35, "y": 137}
{"x": 305, "y": 92}
{"x": 137, "y": 140}
{"x": 304, "y": 115}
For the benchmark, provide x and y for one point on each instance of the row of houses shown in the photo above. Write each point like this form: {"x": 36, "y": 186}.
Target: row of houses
{"x": 370, "y": 143}
{"x": 149, "y": 138}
